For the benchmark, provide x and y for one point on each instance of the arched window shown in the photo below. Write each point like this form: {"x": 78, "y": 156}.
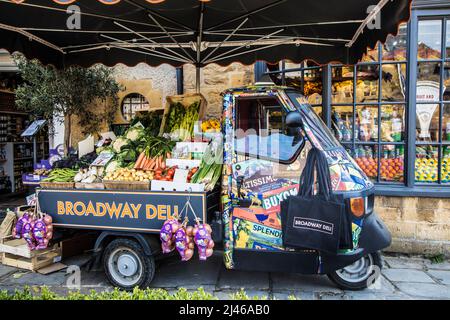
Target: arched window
{"x": 133, "y": 103}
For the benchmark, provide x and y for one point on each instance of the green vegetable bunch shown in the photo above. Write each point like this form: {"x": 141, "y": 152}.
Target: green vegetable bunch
{"x": 61, "y": 175}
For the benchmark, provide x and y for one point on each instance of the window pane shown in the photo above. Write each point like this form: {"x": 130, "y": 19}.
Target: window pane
{"x": 392, "y": 163}
{"x": 446, "y": 123}
{"x": 429, "y": 71}
{"x": 446, "y": 81}
{"x": 429, "y": 44}
{"x": 371, "y": 55}
{"x": 445, "y": 165}
{"x": 342, "y": 123}
{"x": 394, "y": 49}
{"x": 367, "y": 159}
{"x": 447, "y": 40}
{"x": 367, "y": 123}
{"x": 426, "y": 164}
{"x": 392, "y": 123}
{"x": 313, "y": 85}
{"x": 342, "y": 85}
{"x": 427, "y": 122}
{"x": 318, "y": 111}
{"x": 367, "y": 83}
{"x": 393, "y": 83}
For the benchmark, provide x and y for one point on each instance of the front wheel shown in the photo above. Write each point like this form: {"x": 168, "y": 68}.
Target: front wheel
{"x": 360, "y": 274}
{"x": 126, "y": 264}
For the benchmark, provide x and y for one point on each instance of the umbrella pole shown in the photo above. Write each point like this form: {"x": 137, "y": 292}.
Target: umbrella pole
{"x": 197, "y": 79}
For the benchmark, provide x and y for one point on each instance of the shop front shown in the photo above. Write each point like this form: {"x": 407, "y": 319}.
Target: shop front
{"x": 391, "y": 111}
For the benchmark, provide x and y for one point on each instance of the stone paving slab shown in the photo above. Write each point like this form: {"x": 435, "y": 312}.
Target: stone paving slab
{"x": 425, "y": 290}
{"x": 407, "y": 275}
{"x": 404, "y": 262}
{"x": 22, "y": 278}
{"x": 177, "y": 273}
{"x": 4, "y": 270}
{"x": 443, "y": 276}
{"x": 306, "y": 283}
{"x": 438, "y": 266}
{"x": 236, "y": 279}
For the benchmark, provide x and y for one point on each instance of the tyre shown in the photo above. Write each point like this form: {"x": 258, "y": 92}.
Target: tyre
{"x": 360, "y": 274}
{"x": 126, "y": 264}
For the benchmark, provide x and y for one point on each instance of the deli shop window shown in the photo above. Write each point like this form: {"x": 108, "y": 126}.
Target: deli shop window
{"x": 432, "y": 163}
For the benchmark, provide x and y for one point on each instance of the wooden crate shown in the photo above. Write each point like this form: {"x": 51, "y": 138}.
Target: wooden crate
{"x": 126, "y": 185}
{"x": 57, "y": 185}
{"x": 186, "y": 100}
{"x": 90, "y": 186}
{"x": 16, "y": 253}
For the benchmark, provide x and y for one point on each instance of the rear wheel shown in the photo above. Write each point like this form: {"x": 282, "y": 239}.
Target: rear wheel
{"x": 126, "y": 264}
{"x": 360, "y": 274}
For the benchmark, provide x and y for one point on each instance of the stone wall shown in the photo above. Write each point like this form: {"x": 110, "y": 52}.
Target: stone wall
{"x": 418, "y": 225}
{"x": 214, "y": 79}
{"x": 154, "y": 83}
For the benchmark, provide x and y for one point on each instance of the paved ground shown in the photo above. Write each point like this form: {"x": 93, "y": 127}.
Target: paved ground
{"x": 402, "y": 278}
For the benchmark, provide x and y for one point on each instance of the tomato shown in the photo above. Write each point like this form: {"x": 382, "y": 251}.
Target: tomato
{"x": 170, "y": 172}
{"x": 159, "y": 172}
{"x": 158, "y": 176}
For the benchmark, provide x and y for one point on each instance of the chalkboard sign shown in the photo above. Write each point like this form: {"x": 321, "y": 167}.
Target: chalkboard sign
{"x": 33, "y": 128}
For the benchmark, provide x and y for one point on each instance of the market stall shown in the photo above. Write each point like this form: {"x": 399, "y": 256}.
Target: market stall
{"x": 142, "y": 183}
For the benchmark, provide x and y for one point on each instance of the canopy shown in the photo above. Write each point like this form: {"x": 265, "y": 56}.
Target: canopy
{"x": 85, "y": 32}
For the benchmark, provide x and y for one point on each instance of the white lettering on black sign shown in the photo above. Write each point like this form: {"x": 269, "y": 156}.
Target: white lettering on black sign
{"x": 313, "y": 224}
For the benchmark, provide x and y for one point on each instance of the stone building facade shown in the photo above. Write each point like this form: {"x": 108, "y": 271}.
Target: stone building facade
{"x": 418, "y": 225}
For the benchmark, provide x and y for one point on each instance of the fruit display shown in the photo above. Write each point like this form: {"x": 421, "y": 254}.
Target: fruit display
{"x": 368, "y": 165}
{"x": 61, "y": 175}
{"x": 211, "y": 125}
{"x": 391, "y": 169}
{"x": 426, "y": 170}
{"x": 165, "y": 175}
{"x": 73, "y": 162}
{"x": 126, "y": 174}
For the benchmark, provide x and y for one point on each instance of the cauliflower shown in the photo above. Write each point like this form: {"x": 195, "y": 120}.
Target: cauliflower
{"x": 112, "y": 166}
{"x": 119, "y": 143}
{"x": 134, "y": 133}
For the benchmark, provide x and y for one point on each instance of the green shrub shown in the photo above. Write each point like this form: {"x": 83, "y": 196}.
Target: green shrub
{"x": 44, "y": 293}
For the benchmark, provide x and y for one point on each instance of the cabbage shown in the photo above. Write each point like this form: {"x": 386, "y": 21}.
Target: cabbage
{"x": 119, "y": 143}
{"x": 134, "y": 133}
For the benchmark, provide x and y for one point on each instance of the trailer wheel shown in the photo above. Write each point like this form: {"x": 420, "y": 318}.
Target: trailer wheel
{"x": 360, "y": 274}
{"x": 126, "y": 264}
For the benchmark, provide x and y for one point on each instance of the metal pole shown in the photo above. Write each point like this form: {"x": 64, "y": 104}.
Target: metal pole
{"x": 34, "y": 150}
{"x": 197, "y": 78}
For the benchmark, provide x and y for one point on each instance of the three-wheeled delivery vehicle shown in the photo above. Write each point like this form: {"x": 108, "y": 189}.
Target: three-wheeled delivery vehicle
{"x": 264, "y": 152}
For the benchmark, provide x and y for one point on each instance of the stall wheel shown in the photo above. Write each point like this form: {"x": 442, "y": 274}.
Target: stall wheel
{"x": 127, "y": 266}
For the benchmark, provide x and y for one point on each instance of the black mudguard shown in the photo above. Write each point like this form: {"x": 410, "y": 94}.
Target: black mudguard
{"x": 374, "y": 237}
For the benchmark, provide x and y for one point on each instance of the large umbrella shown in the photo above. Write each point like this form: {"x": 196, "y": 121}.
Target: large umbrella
{"x": 85, "y": 32}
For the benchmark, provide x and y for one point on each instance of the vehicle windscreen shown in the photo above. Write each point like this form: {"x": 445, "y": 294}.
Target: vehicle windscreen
{"x": 313, "y": 122}
{"x": 261, "y": 130}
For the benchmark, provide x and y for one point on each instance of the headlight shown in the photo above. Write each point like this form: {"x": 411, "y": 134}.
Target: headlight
{"x": 361, "y": 206}
{"x": 358, "y": 206}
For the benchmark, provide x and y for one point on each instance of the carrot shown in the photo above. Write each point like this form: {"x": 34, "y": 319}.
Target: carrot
{"x": 145, "y": 162}
{"x": 163, "y": 163}
{"x": 148, "y": 162}
{"x": 151, "y": 164}
{"x": 138, "y": 164}
{"x": 168, "y": 155}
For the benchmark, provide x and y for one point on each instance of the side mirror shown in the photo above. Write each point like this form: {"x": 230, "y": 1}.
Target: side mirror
{"x": 294, "y": 120}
